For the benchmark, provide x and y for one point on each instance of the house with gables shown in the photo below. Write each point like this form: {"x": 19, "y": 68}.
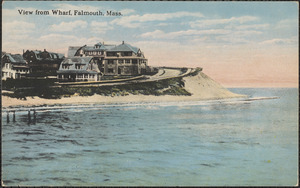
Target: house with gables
{"x": 124, "y": 59}
{"x": 113, "y": 60}
{"x": 77, "y": 69}
{"x": 43, "y": 62}
{"x": 13, "y": 66}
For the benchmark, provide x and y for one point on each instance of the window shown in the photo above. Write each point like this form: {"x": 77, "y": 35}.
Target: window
{"x": 127, "y": 54}
{"x": 110, "y": 70}
{"x": 120, "y": 61}
{"x": 77, "y": 66}
{"x": 65, "y": 66}
{"x": 111, "y": 54}
{"x": 85, "y": 75}
{"x": 127, "y": 61}
{"x": 111, "y": 61}
{"x": 134, "y": 61}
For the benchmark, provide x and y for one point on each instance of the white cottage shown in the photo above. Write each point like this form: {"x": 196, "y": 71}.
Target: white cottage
{"x": 78, "y": 69}
{"x": 13, "y": 66}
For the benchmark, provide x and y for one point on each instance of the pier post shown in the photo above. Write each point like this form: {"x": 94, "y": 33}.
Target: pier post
{"x": 7, "y": 117}
{"x": 14, "y": 116}
{"x": 29, "y": 117}
{"x": 34, "y": 116}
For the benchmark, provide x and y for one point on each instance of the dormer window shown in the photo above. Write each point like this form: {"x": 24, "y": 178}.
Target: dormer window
{"x": 66, "y": 66}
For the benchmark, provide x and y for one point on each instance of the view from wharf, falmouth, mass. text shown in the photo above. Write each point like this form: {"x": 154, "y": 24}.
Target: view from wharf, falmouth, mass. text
{"x": 69, "y": 13}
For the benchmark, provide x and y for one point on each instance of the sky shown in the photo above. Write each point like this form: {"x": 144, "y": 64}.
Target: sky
{"x": 238, "y": 44}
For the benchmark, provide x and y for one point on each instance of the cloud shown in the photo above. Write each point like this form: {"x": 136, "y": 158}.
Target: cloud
{"x": 67, "y": 39}
{"x": 57, "y": 42}
{"x": 134, "y": 21}
{"x": 158, "y": 34}
{"x": 17, "y": 30}
{"x": 232, "y": 39}
{"x": 253, "y": 26}
{"x": 100, "y": 27}
{"x": 287, "y": 24}
{"x": 281, "y": 41}
{"x": 163, "y": 24}
{"x": 18, "y": 26}
{"x": 52, "y": 38}
{"x": 212, "y": 22}
{"x": 68, "y": 26}
{"x": 247, "y": 33}
{"x": 65, "y": 6}
{"x": 127, "y": 11}
{"x": 10, "y": 14}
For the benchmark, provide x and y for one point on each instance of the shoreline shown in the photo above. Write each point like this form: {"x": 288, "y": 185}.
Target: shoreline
{"x": 200, "y": 86}
{"x": 8, "y": 102}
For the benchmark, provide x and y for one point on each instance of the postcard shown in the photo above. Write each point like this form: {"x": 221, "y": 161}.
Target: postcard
{"x": 149, "y": 93}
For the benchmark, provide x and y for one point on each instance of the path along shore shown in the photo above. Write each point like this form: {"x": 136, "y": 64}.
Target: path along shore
{"x": 201, "y": 86}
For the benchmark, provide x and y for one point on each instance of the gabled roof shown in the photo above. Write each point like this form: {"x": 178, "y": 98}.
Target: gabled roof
{"x": 108, "y": 46}
{"x": 85, "y": 61}
{"x": 72, "y": 50}
{"x": 18, "y": 58}
{"x": 60, "y": 56}
{"x": 77, "y": 60}
{"x": 102, "y": 47}
{"x": 124, "y": 47}
{"x": 15, "y": 58}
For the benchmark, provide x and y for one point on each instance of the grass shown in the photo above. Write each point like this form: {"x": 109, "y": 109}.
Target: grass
{"x": 25, "y": 88}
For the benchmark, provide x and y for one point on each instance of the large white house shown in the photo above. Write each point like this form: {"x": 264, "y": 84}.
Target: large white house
{"x": 122, "y": 59}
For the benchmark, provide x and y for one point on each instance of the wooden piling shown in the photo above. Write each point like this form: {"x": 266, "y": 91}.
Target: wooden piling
{"x": 14, "y": 116}
{"x": 29, "y": 117}
{"x": 34, "y": 116}
{"x": 7, "y": 117}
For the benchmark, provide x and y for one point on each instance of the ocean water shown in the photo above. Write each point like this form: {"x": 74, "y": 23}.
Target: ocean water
{"x": 230, "y": 142}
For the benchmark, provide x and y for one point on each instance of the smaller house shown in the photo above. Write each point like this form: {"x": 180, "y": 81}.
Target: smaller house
{"x": 13, "y": 66}
{"x": 43, "y": 62}
{"x": 77, "y": 69}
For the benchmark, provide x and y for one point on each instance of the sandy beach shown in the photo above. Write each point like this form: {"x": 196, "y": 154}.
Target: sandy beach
{"x": 201, "y": 86}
